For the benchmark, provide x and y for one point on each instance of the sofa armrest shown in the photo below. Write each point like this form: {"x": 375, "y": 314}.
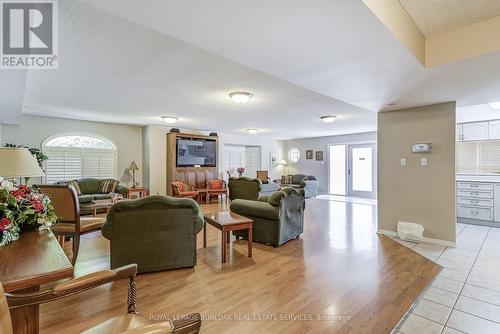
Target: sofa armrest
{"x": 259, "y": 209}
{"x": 122, "y": 190}
{"x": 106, "y": 230}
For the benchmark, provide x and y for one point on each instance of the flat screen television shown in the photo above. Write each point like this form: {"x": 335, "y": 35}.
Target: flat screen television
{"x": 193, "y": 152}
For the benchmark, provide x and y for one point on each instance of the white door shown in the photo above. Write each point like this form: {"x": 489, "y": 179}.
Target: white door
{"x": 337, "y": 167}
{"x": 475, "y": 131}
{"x": 234, "y": 157}
{"x": 361, "y": 171}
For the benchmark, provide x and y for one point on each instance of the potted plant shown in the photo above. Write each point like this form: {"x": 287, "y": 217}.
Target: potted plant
{"x": 240, "y": 171}
{"x": 23, "y": 209}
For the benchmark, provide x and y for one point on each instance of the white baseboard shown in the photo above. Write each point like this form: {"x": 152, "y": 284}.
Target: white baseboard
{"x": 426, "y": 239}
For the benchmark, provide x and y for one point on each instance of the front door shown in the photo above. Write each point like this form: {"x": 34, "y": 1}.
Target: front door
{"x": 361, "y": 171}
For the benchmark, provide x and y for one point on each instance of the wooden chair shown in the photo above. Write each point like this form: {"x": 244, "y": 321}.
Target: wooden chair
{"x": 180, "y": 189}
{"x": 263, "y": 175}
{"x": 215, "y": 188}
{"x": 129, "y": 323}
{"x": 70, "y": 224}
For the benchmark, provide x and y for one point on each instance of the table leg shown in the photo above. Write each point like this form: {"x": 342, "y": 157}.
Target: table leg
{"x": 94, "y": 213}
{"x": 25, "y": 320}
{"x": 204, "y": 234}
{"x": 223, "y": 246}
{"x": 250, "y": 241}
{"x": 228, "y": 238}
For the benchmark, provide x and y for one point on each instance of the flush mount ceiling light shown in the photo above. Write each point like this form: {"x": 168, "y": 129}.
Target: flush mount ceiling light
{"x": 328, "y": 119}
{"x": 253, "y": 131}
{"x": 495, "y": 105}
{"x": 169, "y": 119}
{"x": 240, "y": 97}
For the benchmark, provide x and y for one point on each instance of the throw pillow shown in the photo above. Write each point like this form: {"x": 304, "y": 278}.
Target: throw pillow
{"x": 108, "y": 186}
{"x": 75, "y": 185}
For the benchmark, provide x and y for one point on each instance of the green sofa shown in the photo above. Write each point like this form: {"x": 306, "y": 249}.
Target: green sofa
{"x": 90, "y": 190}
{"x": 247, "y": 188}
{"x": 278, "y": 218}
{"x": 307, "y": 182}
{"x": 156, "y": 232}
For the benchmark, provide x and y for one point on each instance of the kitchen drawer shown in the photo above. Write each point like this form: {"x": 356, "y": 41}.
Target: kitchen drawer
{"x": 475, "y": 213}
{"x": 475, "y": 201}
{"x": 475, "y": 193}
{"x": 475, "y": 186}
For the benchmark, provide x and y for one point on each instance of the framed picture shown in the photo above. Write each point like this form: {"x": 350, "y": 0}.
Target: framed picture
{"x": 274, "y": 159}
{"x": 319, "y": 155}
{"x": 309, "y": 154}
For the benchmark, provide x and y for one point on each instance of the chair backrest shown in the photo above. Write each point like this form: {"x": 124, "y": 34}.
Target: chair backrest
{"x": 177, "y": 187}
{"x": 64, "y": 200}
{"x": 263, "y": 175}
{"x": 216, "y": 184}
{"x": 244, "y": 188}
{"x": 5, "y": 321}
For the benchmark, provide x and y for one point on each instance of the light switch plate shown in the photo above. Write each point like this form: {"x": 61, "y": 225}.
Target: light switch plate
{"x": 423, "y": 161}
{"x": 403, "y": 161}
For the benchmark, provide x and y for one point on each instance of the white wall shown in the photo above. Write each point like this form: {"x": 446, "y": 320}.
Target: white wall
{"x": 157, "y": 139}
{"x": 320, "y": 168}
{"x": 33, "y": 130}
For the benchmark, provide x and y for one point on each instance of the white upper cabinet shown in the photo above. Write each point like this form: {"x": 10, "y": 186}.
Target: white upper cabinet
{"x": 494, "y": 130}
{"x": 459, "y": 132}
{"x": 474, "y": 131}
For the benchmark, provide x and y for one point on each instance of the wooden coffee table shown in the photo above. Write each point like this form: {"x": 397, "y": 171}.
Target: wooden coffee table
{"x": 97, "y": 204}
{"x": 226, "y": 222}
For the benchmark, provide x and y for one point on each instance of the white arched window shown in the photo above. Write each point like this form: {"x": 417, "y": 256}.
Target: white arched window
{"x": 74, "y": 156}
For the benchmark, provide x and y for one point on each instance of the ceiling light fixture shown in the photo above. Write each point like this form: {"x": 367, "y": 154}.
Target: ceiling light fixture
{"x": 328, "y": 119}
{"x": 169, "y": 119}
{"x": 495, "y": 105}
{"x": 252, "y": 131}
{"x": 240, "y": 97}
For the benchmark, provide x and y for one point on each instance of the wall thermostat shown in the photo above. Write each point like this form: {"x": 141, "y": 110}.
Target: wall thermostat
{"x": 421, "y": 148}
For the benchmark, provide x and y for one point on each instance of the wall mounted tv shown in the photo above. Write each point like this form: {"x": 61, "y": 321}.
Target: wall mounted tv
{"x": 193, "y": 152}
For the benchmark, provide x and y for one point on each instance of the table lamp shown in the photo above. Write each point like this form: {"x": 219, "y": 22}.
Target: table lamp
{"x": 133, "y": 167}
{"x": 284, "y": 164}
{"x": 18, "y": 162}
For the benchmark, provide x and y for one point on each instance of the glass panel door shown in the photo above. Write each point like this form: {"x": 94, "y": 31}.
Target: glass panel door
{"x": 337, "y": 170}
{"x": 361, "y": 170}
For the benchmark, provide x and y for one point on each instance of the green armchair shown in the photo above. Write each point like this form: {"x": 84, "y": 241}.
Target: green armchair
{"x": 278, "y": 218}
{"x": 156, "y": 232}
{"x": 247, "y": 188}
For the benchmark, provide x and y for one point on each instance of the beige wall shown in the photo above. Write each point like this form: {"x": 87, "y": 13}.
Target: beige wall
{"x": 33, "y": 130}
{"x": 416, "y": 193}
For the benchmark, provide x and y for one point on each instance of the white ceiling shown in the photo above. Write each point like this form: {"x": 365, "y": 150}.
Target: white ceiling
{"x": 433, "y": 16}
{"x": 299, "y": 58}
{"x": 112, "y": 70}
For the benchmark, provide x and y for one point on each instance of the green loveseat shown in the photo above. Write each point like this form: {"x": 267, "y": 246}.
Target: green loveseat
{"x": 307, "y": 182}
{"x": 156, "y": 232}
{"x": 278, "y": 218}
{"x": 248, "y": 188}
{"x": 89, "y": 188}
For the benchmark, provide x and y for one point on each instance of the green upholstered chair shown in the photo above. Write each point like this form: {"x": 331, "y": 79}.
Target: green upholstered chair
{"x": 247, "y": 188}
{"x": 156, "y": 232}
{"x": 277, "y": 218}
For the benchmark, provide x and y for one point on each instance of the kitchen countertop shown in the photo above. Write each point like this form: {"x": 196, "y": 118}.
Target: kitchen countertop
{"x": 478, "y": 177}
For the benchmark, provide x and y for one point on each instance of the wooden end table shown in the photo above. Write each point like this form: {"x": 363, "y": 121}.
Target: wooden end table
{"x": 226, "y": 222}
{"x": 141, "y": 192}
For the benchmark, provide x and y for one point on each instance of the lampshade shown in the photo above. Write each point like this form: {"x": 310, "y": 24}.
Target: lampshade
{"x": 18, "y": 162}
{"x": 133, "y": 166}
{"x": 282, "y": 162}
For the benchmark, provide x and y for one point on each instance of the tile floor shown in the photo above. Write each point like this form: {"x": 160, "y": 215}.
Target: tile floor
{"x": 465, "y": 296}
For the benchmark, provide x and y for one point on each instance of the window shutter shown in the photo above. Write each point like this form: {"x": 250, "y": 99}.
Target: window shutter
{"x": 63, "y": 166}
{"x": 467, "y": 157}
{"x": 489, "y": 156}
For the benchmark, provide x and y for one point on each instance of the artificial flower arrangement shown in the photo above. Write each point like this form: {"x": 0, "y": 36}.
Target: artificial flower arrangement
{"x": 23, "y": 208}
{"x": 241, "y": 170}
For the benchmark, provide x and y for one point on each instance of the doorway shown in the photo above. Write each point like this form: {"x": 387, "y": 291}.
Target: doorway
{"x": 351, "y": 170}
{"x": 235, "y": 156}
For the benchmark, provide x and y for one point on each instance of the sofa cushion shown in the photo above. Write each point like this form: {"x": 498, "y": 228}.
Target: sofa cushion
{"x": 89, "y": 186}
{"x": 107, "y": 186}
{"x": 82, "y": 199}
{"x": 101, "y": 196}
{"x": 251, "y": 208}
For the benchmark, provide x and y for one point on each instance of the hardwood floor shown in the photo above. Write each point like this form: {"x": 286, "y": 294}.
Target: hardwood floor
{"x": 339, "y": 277}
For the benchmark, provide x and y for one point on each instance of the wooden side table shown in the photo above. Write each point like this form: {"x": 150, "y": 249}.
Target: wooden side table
{"x": 226, "y": 222}
{"x": 203, "y": 194}
{"x": 141, "y": 191}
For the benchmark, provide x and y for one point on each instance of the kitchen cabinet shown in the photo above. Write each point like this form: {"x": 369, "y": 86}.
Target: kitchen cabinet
{"x": 474, "y": 131}
{"x": 494, "y": 130}
{"x": 478, "y": 202}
